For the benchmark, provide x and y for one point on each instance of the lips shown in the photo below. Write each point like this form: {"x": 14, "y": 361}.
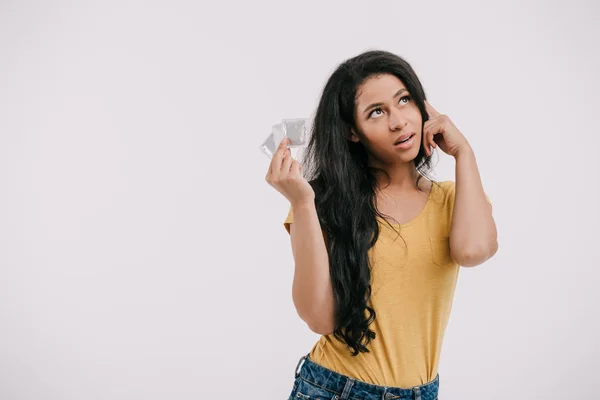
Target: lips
{"x": 404, "y": 137}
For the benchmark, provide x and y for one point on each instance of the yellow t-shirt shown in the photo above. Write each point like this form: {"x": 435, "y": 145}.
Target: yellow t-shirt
{"x": 412, "y": 292}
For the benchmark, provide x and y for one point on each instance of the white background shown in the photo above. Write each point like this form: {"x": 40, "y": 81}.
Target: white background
{"x": 143, "y": 254}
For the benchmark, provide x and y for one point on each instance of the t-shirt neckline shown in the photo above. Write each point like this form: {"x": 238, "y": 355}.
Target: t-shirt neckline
{"x": 418, "y": 217}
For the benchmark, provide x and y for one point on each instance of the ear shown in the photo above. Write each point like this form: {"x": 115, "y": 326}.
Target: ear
{"x": 352, "y": 136}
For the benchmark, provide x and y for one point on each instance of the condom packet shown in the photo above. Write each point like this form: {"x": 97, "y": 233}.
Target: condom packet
{"x": 269, "y": 146}
{"x": 295, "y": 129}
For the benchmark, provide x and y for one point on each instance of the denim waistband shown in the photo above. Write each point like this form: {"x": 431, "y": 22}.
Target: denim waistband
{"x": 347, "y": 388}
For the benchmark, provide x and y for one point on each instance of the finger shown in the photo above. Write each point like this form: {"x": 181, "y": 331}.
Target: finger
{"x": 283, "y": 144}
{"x": 429, "y": 149}
{"x": 285, "y": 167}
{"x": 295, "y": 170}
{"x": 431, "y": 134}
{"x": 433, "y": 143}
{"x": 275, "y": 166}
{"x": 432, "y": 127}
{"x": 426, "y": 139}
{"x": 430, "y": 110}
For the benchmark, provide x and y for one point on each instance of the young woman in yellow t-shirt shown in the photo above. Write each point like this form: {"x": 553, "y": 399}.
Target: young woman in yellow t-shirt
{"x": 380, "y": 304}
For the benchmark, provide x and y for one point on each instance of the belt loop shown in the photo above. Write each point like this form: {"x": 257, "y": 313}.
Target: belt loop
{"x": 347, "y": 388}
{"x": 417, "y": 392}
{"x": 297, "y": 371}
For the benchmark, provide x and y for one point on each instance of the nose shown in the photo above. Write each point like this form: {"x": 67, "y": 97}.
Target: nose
{"x": 396, "y": 120}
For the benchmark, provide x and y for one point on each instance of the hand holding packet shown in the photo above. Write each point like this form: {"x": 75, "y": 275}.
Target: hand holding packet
{"x": 296, "y": 130}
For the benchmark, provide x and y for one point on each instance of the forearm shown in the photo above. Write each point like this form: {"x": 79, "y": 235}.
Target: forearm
{"x": 473, "y": 236}
{"x": 312, "y": 291}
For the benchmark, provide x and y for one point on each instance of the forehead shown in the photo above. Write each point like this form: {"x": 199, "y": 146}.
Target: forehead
{"x": 378, "y": 88}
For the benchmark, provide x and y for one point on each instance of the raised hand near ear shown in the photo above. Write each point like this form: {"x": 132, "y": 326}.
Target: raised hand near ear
{"x": 440, "y": 131}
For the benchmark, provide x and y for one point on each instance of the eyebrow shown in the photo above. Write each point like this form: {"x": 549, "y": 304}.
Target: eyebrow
{"x": 380, "y": 104}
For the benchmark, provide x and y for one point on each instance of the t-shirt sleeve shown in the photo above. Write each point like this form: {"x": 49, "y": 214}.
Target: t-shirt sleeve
{"x": 289, "y": 220}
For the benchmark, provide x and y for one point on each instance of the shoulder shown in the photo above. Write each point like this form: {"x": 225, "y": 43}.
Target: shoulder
{"x": 445, "y": 188}
{"x": 448, "y": 188}
{"x": 445, "y": 185}
{"x": 443, "y": 194}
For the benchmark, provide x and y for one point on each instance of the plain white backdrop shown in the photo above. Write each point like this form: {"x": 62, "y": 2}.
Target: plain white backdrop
{"x": 143, "y": 254}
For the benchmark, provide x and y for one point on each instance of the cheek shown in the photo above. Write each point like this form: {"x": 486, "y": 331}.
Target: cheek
{"x": 372, "y": 131}
{"x": 420, "y": 139}
{"x": 417, "y": 118}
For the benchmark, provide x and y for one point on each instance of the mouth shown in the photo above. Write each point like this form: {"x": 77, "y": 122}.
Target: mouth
{"x": 405, "y": 139}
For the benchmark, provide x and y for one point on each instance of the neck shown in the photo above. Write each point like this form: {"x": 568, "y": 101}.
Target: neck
{"x": 402, "y": 178}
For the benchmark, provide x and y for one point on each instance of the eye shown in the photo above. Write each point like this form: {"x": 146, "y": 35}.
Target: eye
{"x": 376, "y": 109}
{"x": 407, "y": 98}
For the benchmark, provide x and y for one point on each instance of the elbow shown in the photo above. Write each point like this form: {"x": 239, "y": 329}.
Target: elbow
{"x": 321, "y": 328}
{"x": 319, "y": 316}
{"x": 317, "y": 323}
{"x": 475, "y": 255}
{"x": 322, "y": 324}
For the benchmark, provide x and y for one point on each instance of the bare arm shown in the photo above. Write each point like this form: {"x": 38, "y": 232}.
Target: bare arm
{"x": 473, "y": 236}
{"x": 312, "y": 292}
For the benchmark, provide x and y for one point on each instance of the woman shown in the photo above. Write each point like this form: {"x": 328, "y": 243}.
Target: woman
{"x": 377, "y": 245}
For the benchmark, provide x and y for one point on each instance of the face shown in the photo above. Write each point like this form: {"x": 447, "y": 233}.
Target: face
{"x": 385, "y": 113}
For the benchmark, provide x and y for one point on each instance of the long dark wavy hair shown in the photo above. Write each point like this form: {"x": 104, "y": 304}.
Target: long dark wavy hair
{"x": 345, "y": 188}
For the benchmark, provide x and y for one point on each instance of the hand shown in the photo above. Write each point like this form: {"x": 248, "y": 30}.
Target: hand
{"x": 439, "y": 130}
{"x": 285, "y": 176}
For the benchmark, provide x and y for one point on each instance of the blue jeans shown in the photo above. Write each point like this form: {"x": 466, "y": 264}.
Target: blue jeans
{"x": 314, "y": 381}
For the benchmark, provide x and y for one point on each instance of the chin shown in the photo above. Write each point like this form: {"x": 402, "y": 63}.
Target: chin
{"x": 410, "y": 154}
{"x": 408, "y": 159}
